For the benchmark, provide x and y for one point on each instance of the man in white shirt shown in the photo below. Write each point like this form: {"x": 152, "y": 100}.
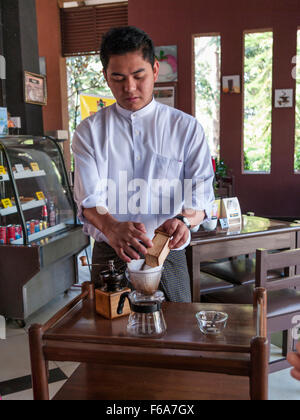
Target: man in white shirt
{"x": 140, "y": 165}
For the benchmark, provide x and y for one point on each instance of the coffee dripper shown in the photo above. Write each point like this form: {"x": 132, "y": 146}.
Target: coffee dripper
{"x": 146, "y": 318}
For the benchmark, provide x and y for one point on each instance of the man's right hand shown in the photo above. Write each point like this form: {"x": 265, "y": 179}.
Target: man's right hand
{"x": 124, "y": 236}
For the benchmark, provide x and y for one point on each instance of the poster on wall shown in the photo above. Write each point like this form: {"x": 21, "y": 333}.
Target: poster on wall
{"x": 167, "y": 58}
{"x": 231, "y": 84}
{"x": 284, "y": 98}
{"x": 90, "y": 104}
{"x": 165, "y": 95}
{"x": 35, "y": 88}
{"x": 3, "y": 121}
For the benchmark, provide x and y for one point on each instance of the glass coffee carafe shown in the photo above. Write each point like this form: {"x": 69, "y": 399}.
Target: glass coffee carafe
{"x": 146, "y": 318}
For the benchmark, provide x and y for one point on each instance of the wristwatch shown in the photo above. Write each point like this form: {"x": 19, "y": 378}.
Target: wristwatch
{"x": 184, "y": 220}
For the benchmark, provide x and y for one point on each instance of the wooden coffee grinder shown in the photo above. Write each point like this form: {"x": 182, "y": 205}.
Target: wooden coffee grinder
{"x": 108, "y": 295}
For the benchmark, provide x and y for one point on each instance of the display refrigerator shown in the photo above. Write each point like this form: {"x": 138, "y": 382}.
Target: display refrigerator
{"x": 39, "y": 234}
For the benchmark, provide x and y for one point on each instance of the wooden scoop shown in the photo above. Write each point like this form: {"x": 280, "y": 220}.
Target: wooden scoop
{"x": 158, "y": 253}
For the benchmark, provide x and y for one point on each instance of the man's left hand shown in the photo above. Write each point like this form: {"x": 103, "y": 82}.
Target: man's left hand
{"x": 177, "y": 229}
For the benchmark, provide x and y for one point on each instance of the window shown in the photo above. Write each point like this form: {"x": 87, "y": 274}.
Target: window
{"x": 297, "y": 133}
{"x": 258, "y": 65}
{"x": 84, "y": 75}
{"x": 82, "y": 28}
{"x": 207, "y": 52}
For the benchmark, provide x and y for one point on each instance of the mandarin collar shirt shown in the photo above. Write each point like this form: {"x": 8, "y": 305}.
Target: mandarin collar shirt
{"x": 121, "y": 157}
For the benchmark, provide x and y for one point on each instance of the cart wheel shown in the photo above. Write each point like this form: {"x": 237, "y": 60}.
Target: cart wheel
{"x": 66, "y": 291}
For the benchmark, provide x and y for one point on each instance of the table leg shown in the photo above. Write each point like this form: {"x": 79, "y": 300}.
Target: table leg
{"x": 194, "y": 272}
{"x": 259, "y": 369}
{"x": 39, "y": 371}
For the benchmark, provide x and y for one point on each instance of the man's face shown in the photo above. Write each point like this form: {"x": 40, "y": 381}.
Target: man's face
{"x": 131, "y": 80}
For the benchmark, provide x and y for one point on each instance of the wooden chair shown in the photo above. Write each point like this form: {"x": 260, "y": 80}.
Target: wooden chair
{"x": 283, "y": 297}
{"x": 237, "y": 271}
{"x": 225, "y": 187}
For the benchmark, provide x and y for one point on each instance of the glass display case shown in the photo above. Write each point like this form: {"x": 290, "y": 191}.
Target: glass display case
{"x": 35, "y": 198}
{"x": 38, "y": 224}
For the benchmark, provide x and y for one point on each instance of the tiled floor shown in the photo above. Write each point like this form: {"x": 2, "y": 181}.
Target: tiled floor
{"x": 15, "y": 380}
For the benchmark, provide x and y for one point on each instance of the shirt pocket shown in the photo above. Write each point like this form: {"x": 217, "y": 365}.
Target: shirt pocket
{"x": 165, "y": 168}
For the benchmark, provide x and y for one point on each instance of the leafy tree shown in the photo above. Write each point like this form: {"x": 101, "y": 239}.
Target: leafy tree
{"x": 258, "y": 101}
{"x": 207, "y": 88}
{"x": 84, "y": 76}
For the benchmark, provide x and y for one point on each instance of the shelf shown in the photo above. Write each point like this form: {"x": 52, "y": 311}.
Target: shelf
{"x": 23, "y": 175}
{"x": 28, "y": 206}
{"x": 41, "y": 234}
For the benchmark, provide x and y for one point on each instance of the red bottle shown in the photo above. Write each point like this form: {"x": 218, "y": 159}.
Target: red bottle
{"x": 45, "y": 216}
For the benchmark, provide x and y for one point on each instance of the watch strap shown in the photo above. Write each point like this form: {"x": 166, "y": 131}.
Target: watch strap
{"x": 183, "y": 220}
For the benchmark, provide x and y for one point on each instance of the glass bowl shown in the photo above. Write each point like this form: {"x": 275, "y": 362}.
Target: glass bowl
{"x": 212, "y": 322}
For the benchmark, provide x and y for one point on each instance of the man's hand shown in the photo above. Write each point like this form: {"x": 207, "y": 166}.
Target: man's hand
{"x": 123, "y": 236}
{"x": 178, "y": 230}
{"x": 294, "y": 360}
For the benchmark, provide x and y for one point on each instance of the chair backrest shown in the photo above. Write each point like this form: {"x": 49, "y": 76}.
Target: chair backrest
{"x": 286, "y": 260}
{"x": 226, "y": 186}
{"x": 260, "y": 304}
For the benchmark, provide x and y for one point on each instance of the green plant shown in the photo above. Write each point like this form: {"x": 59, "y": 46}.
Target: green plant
{"x": 221, "y": 169}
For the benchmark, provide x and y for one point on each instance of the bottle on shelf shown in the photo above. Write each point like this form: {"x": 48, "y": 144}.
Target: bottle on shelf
{"x": 52, "y": 214}
{"x": 45, "y": 217}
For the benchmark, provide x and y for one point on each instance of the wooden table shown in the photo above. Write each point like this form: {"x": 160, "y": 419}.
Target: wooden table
{"x": 255, "y": 232}
{"x": 77, "y": 333}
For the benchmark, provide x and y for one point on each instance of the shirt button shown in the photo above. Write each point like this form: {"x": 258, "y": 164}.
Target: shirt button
{"x": 138, "y": 158}
{"x": 137, "y": 132}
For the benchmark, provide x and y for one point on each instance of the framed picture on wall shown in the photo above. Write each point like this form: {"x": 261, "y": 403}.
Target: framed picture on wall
{"x": 35, "y": 88}
{"x": 231, "y": 84}
{"x": 165, "y": 93}
{"x": 167, "y": 58}
{"x": 284, "y": 98}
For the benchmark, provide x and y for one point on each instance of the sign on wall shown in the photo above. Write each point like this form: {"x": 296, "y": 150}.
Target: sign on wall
{"x": 283, "y": 98}
{"x": 90, "y": 104}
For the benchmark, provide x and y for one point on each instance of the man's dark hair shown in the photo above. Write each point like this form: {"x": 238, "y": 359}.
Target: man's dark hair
{"x": 119, "y": 41}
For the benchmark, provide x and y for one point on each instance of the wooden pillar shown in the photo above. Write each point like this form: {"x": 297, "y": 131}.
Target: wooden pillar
{"x": 2, "y": 64}
{"x": 20, "y": 48}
